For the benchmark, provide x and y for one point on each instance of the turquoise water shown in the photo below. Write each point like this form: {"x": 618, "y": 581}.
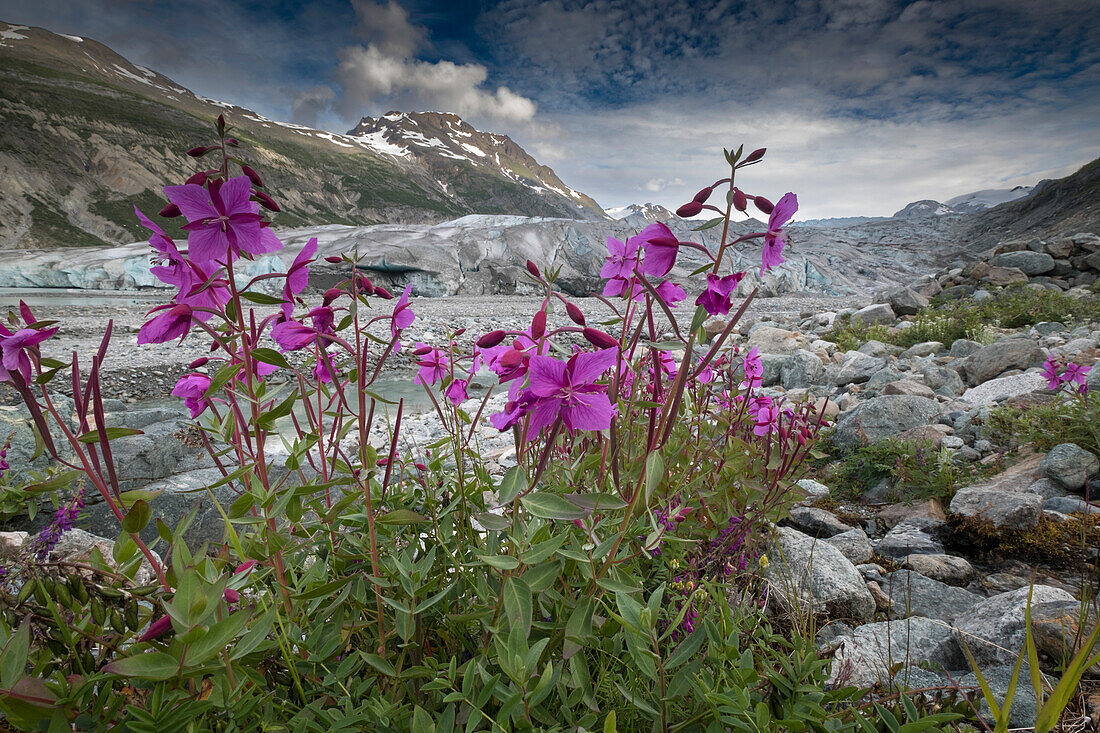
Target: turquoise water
{"x": 37, "y": 297}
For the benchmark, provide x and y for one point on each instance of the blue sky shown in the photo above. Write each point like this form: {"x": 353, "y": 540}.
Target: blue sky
{"x": 865, "y": 105}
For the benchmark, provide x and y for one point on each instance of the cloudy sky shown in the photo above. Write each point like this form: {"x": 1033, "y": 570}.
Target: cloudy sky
{"x": 864, "y": 105}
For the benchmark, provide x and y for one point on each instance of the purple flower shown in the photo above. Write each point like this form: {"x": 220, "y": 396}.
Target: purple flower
{"x": 766, "y": 420}
{"x": 568, "y": 390}
{"x": 434, "y": 366}
{"x": 222, "y": 220}
{"x": 670, "y": 293}
{"x": 776, "y": 237}
{"x": 13, "y": 354}
{"x": 660, "y": 246}
{"x": 1075, "y": 373}
{"x": 291, "y": 335}
{"x": 176, "y": 321}
{"x": 1050, "y": 372}
{"x": 402, "y": 316}
{"x": 191, "y": 388}
{"x": 754, "y": 369}
{"x": 456, "y": 392}
{"x": 297, "y": 277}
{"x": 617, "y": 286}
{"x": 160, "y": 241}
{"x": 621, "y": 258}
{"x": 716, "y": 298}
{"x": 62, "y": 522}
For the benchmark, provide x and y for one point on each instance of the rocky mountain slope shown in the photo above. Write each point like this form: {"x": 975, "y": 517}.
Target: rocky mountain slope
{"x": 87, "y": 135}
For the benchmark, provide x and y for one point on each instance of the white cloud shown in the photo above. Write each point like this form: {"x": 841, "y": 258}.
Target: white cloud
{"x": 385, "y": 74}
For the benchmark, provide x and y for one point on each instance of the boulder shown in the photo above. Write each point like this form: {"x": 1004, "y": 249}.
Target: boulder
{"x": 909, "y": 387}
{"x": 1045, "y": 488}
{"x": 800, "y": 369}
{"x": 925, "y": 348}
{"x": 989, "y": 361}
{"x": 856, "y": 368}
{"x": 1070, "y": 505}
{"x": 942, "y": 380}
{"x": 772, "y": 340}
{"x": 944, "y": 568}
{"x": 853, "y": 544}
{"x": 1004, "y": 510}
{"x": 814, "y": 490}
{"x": 813, "y": 574}
{"x": 816, "y": 522}
{"x": 873, "y": 315}
{"x": 905, "y": 301}
{"x": 963, "y": 347}
{"x": 75, "y": 546}
{"x": 895, "y": 513}
{"x": 867, "y": 655}
{"x": 1004, "y": 276}
{"x": 995, "y": 630}
{"x": 1002, "y": 388}
{"x": 1030, "y": 263}
{"x": 1025, "y": 708}
{"x": 914, "y": 594}
{"x": 1070, "y": 466}
{"x": 882, "y": 417}
{"x": 1058, "y": 632}
{"x": 155, "y": 454}
{"x": 916, "y": 536}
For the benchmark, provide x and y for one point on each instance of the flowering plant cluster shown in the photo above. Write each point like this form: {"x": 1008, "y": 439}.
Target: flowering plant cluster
{"x": 366, "y": 583}
{"x": 1070, "y": 375}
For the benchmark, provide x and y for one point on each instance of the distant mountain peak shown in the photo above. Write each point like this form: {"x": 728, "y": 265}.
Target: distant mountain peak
{"x": 648, "y": 211}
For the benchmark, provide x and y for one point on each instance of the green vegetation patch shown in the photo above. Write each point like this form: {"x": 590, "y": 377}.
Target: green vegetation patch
{"x": 1075, "y": 420}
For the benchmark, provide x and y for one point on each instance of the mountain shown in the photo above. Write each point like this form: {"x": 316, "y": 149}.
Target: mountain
{"x": 646, "y": 211}
{"x": 923, "y": 209}
{"x": 971, "y": 203}
{"x": 1054, "y": 208}
{"x": 447, "y": 146}
{"x": 88, "y": 135}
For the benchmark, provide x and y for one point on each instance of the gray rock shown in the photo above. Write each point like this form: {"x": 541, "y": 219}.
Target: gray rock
{"x": 994, "y": 629}
{"x": 815, "y": 575}
{"x": 916, "y": 536}
{"x": 800, "y": 369}
{"x": 963, "y": 347}
{"x": 1070, "y": 505}
{"x": 1070, "y": 466}
{"x": 1031, "y": 263}
{"x": 814, "y": 490}
{"x": 855, "y": 369}
{"x": 879, "y": 313}
{"x": 868, "y": 655}
{"x": 1005, "y": 510}
{"x": 941, "y": 379}
{"x": 916, "y": 595}
{"x": 944, "y": 568}
{"x": 906, "y": 301}
{"x": 16, "y": 422}
{"x": 155, "y": 454}
{"x": 909, "y": 387}
{"x": 772, "y": 340}
{"x": 882, "y": 417}
{"x": 853, "y": 544}
{"x": 1002, "y": 388}
{"x": 925, "y": 348}
{"x": 877, "y": 348}
{"x": 878, "y": 381}
{"x": 772, "y": 366}
{"x": 816, "y": 522}
{"x": 989, "y": 361}
{"x": 1025, "y": 708}
{"x": 1045, "y": 488}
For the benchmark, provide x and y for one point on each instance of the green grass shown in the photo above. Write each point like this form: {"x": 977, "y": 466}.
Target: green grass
{"x": 50, "y": 227}
{"x": 121, "y": 211}
{"x": 1074, "y": 420}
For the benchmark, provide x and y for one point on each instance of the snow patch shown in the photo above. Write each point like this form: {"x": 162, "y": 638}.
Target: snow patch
{"x": 376, "y": 141}
{"x": 74, "y": 39}
{"x": 13, "y": 34}
{"x": 215, "y": 102}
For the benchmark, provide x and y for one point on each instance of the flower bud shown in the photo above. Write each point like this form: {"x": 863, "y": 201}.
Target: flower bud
{"x": 703, "y": 195}
{"x": 170, "y": 211}
{"x": 574, "y": 314}
{"x": 599, "y": 339}
{"x": 740, "y": 200}
{"x": 231, "y": 596}
{"x": 754, "y": 155}
{"x": 244, "y": 567}
{"x": 158, "y": 628}
{"x": 200, "y": 150}
{"x": 511, "y": 358}
{"x": 460, "y": 331}
{"x": 334, "y": 259}
{"x": 332, "y": 294}
{"x": 491, "y": 339}
{"x": 691, "y": 208}
{"x": 538, "y": 325}
{"x": 420, "y": 467}
{"x": 232, "y": 141}
{"x": 422, "y": 350}
{"x": 266, "y": 201}
{"x": 221, "y": 122}
{"x": 382, "y": 293}
{"x": 252, "y": 176}
{"x": 532, "y": 268}
{"x": 764, "y": 205}
{"x": 199, "y": 179}
{"x": 201, "y": 361}
{"x": 180, "y": 310}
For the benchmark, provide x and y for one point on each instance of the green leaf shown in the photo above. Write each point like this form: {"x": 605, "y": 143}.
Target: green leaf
{"x": 270, "y": 356}
{"x": 552, "y": 506}
{"x": 266, "y": 420}
{"x": 616, "y": 586}
{"x": 138, "y": 516}
{"x": 222, "y": 378}
{"x": 542, "y": 577}
{"x": 216, "y": 638}
{"x": 517, "y": 604}
{"x": 59, "y": 481}
{"x": 13, "y": 660}
{"x": 261, "y": 298}
{"x": 543, "y": 550}
{"x": 710, "y": 224}
{"x": 654, "y": 473}
{"x": 686, "y": 650}
{"x": 401, "y": 516}
{"x": 578, "y": 627}
{"x": 500, "y": 562}
{"x": 255, "y": 636}
{"x": 154, "y": 666}
{"x": 597, "y": 502}
{"x": 379, "y": 663}
{"x": 493, "y": 522}
{"x": 96, "y": 436}
{"x": 512, "y": 485}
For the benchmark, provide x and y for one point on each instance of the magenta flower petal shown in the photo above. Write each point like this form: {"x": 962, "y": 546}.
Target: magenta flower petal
{"x": 193, "y": 200}
{"x": 191, "y": 388}
{"x": 670, "y": 293}
{"x": 547, "y": 375}
{"x": 590, "y": 411}
{"x": 588, "y": 367}
{"x": 545, "y": 413}
{"x": 292, "y": 335}
{"x": 174, "y": 322}
{"x": 234, "y": 194}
